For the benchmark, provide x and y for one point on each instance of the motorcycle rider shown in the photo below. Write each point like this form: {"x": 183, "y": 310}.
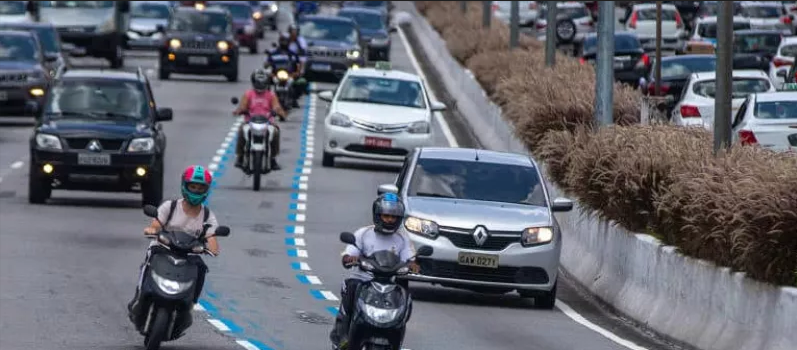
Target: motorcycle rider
{"x": 282, "y": 56}
{"x": 187, "y": 214}
{"x": 388, "y": 216}
{"x": 299, "y": 46}
{"x": 259, "y": 100}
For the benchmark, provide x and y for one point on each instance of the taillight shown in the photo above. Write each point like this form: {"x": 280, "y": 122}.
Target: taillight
{"x": 793, "y": 8}
{"x": 688, "y": 111}
{"x": 779, "y": 62}
{"x": 652, "y": 89}
{"x": 747, "y": 138}
{"x": 582, "y": 61}
{"x": 540, "y": 25}
{"x": 785, "y": 20}
{"x": 632, "y": 22}
{"x": 644, "y": 61}
{"x": 678, "y": 22}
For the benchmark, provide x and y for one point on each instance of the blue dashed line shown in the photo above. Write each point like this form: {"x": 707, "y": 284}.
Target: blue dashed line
{"x": 332, "y": 310}
{"x": 317, "y": 294}
{"x": 293, "y": 253}
{"x": 290, "y": 241}
{"x": 290, "y": 229}
{"x": 303, "y": 279}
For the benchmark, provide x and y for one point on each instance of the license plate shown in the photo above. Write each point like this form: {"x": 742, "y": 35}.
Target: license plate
{"x": 93, "y": 159}
{"x": 478, "y": 260}
{"x": 3, "y": 96}
{"x": 198, "y": 60}
{"x": 322, "y": 67}
{"x": 378, "y": 142}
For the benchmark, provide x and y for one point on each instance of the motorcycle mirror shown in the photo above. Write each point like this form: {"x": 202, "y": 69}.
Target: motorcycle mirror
{"x": 234, "y": 100}
{"x": 348, "y": 238}
{"x": 151, "y": 211}
{"x": 222, "y": 231}
{"x": 425, "y": 251}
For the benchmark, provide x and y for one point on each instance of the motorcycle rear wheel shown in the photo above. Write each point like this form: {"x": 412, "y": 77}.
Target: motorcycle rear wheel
{"x": 157, "y": 332}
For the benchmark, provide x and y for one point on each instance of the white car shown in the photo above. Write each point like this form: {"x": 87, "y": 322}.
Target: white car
{"x": 767, "y": 16}
{"x": 14, "y": 12}
{"x": 782, "y": 61}
{"x": 377, "y": 113}
{"x": 696, "y": 106}
{"x": 642, "y": 22}
{"x": 768, "y": 119}
{"x": 528, "y": 11}
{"x": 706, "y": 28}
{"x": 576, "y": 11}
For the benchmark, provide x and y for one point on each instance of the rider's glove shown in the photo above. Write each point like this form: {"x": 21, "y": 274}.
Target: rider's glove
{"x": 349, "y": 260}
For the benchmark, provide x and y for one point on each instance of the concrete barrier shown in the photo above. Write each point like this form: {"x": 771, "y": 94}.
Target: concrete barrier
{"x": 688, "y": 300}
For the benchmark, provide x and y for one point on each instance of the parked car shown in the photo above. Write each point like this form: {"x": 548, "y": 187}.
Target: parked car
{"x": 631, "y": 63}
{"x": 641, "y": 20}
{"x": 528, "y": 12}
{"x": 385, "y": 7}
{"x": 768, "y": 119}
{"x": 489, "y": 217}
{"x": 783, "y": 60}
{"x": 706, "y": 28}
{"x": 335, "y": 44}
{"x": 243, "y": 23}
{"x": 688, "y": 11}
{"x": 575, "y": 11}
{"x": 372, "y": 27}
{"x": 755, "y": 49}
{"x": 145, "y": 19}
{"x": 767, "y": 16}
{"x": 675, "y": 71}
{"x": 14, "y": 12}
{"x": 24, "y": 77}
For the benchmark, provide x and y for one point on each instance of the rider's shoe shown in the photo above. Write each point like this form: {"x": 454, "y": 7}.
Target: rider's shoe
{"x": 275, "y": 165}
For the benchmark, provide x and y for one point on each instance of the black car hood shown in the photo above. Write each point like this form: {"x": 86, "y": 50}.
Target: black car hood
{"x": 196, "y": 36}
{"x": 368, "y": 34}
{"x": 19, "y": 66}
{"x": 96, "y": 128}
{"x": 332, "y": 44}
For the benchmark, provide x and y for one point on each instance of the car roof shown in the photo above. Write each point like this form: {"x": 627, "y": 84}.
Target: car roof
{"x": 100, "y": 74}
{"x": 737, "y": 73}
{"x": 471, "y": 154}
{"x": 326, "y": 18}
{"x": 759, "y": 3}
{"x": 776, "y": 96}
{"x": 27, "y": 25}
{"x": 357, "y": 9}
{"x": 377, "y": 73}
{"x": 17, "y": 32}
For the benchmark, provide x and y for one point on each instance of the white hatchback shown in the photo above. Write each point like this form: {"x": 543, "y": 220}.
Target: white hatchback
{"x": 379, "y": 114}
{"x": 768, "y": 119}
{"x": 696, "y": 106}
{"x": 781, "y": 63}
{"x": 642, "y": 22}
{"x": 767, "y": 15}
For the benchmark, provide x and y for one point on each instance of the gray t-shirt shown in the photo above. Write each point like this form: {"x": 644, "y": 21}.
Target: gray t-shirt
{"x": 182, "y": 222}
{"x": 370, "y": 242}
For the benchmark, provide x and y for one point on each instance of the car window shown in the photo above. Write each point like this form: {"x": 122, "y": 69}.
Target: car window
{"x": 754, "y": 43}
{"x": 776, "y": 110}
{"x": 77, "y": 4}
{"x": 476, "y": 180}
{"x": 100, "y": 99}
{"x": 365, "y": 20}
{"x": 684, "y": 67}
{"x": 385, "y": 91}
{"x": 18, "y": 48}
{"x": 12, "y": 8}
{"x": 237, "y": 11}
{"x": 762, "y": 11}
{"x": 621, "y": 43}
{"x": 789, "y": 50}
{"x": 709, "y": 30}
{"x": 569, "y": 12}
{"x": 741, "y": 87}
{"x": 329, "y": 30}
{"x": 650, "y": 15}
{"x": 200, "y": 22}
{"x": 49, "y": 39}
{"x": 147, "y": 10}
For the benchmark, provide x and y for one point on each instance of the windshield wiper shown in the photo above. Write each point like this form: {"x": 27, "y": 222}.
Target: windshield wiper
{"x": 435, "y": 195}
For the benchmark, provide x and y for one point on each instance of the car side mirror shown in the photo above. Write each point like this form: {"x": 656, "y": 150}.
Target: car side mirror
{"x": 386, "y": 188}
{"x": 438, "y": 106}
{"x": 326, "y": 95}
{"x": 239, "y": 31}
{"x": 348, "y": 238}
{"x": 562, "y": 205}
{"x": 234, "y": 100}
{"x": 51, "y": 57}
{"x": 222, "y": 231}
{"x": 782, "y": 73}
{"x": 164, "y": 114}
{"x": 151, "y": 211}
{"x": 424, "y": 251}
{"x": 160, "y": 28}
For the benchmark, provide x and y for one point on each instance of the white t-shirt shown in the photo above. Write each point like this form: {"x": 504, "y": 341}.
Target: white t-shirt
{"x": 182, "y": 222}
{"x": 370, "y": 241}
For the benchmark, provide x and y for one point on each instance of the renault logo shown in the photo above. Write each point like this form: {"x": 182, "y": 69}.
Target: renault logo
{"x": 94, "y": 146}
{"x": 480, "y": 235}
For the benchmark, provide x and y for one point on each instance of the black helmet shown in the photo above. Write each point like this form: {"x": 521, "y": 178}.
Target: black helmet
{"x": 284, "y": 40}
{"x": 293, "y": 27}
{"x": 387, "y": 204}
{"x": 259, "y": 80}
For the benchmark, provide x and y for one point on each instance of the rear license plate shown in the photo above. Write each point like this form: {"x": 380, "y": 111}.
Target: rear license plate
{"x": 378, "y": 142}
{"x": 3, "y": 96}
{"x": 198, "y": 60}
{"x": 322, "y": 67}
{"x": 478, "y": 260}
{"x": 93, "y": 159}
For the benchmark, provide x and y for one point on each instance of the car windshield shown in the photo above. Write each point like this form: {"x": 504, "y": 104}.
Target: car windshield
{"x": 650, "y": 15}
{"x": 479, "y": 181}
{"x": 329, "y": 30}
{"x": 18, "y": 48}
{"x": 621, "y": 43}
{"x": 385, "y": 91}
{"x": 789, "y": 51}
{"x": 762, "y": 11}
{"x": 365, "y": 20}
{"x": 569, "y": 12}
{"x": 200, "y": 22}
{"x": 741, "y": 87}
{"x": 709, "y": 29}
{"x": 776, "y": 110}
{"x": 12, "y": 8}
{"x": 754, "y": 43}
{"x": 237, "y": 11}
{"x": 681, "y": 68}
{"x": 78, "y": 4}
{"x": 101, "y": 99}
{"x": 145, "y": 10}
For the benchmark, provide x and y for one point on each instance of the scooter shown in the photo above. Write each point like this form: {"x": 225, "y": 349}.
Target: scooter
{"x": 380, "y": 314}
{"x": 258, "y": 134}
{"x": 169, "y": 283}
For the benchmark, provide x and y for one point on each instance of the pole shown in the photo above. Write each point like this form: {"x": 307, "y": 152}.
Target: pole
{"x": 604, "y": 82}
{"x": 722, "y": 99}
{"x": 487, "y": 13}
{"x": 658, "y": 49}
{"x": 514, "y": 22}
{"x": 550, "y": 35}
{"x": 464, "y": 6}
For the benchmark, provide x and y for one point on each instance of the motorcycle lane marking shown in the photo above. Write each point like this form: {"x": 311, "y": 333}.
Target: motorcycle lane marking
{"x": 14, "y": 166}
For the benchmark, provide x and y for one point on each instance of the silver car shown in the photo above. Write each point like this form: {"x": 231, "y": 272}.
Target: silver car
{"x": 489, "y": 218}
{"x": 147, "y": 20}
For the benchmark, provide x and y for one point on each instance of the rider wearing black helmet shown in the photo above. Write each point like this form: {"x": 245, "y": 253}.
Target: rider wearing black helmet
{"x": 281, "y": 57}
{"x": 259, "y": 100}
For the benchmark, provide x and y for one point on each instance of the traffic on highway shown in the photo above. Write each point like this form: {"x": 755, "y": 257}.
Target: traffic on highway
{"x": 283, "y": 175}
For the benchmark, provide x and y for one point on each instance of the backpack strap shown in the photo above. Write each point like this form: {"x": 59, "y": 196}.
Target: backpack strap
{"x": 207, "y": 214}
{"x": 172, "y": 207}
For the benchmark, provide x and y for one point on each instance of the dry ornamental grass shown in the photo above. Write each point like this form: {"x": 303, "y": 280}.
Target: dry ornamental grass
{"x": 737, "y": 210}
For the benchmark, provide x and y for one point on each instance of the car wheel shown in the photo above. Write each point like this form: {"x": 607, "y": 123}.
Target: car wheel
{"x": 39, "y": 190}
{"x": 542, "y": 300}
{"x": 232, "y": 76}
{"x": 118, "y": 59}
{"x": 328, "y": 161}
{"x": 152, "y": 190}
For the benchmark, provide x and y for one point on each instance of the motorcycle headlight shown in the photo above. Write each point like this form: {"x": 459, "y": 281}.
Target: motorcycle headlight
{"x": 170, "y": 287}
{"x": 353, "y": 54}
{"x": 536, "y": 235}
{"x": 380, "y": 315}
{"x": 49, "y": 142}
{"x": 107, "y": 27}
{"x": 282, "y": 75}
{"x": 144, "y": 144}
{"x": 338, "y": 119}
{"x": 421, "y": 227}
{"x": 175, "y": 44}
{"x": 274, "y": 7}
{"x": 421, "y": 127}
{"x": 223, "y": 46}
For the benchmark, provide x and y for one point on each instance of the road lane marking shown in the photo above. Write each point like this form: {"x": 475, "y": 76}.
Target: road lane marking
{"x": 219, "y": 325}
{"x": 323, "y": 295}
{"x": 309, "y": 279}
{"x": 294, "y": 229}
{"x": 300, "y": 265}
{"x": 18, "y": 164}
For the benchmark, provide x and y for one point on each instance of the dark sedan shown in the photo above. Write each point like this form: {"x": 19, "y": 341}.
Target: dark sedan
{"x": 675, "y": 71}
{"x": 373, "y": 30}
{"x": 244, "y": 24}
{"x": 630, "y": 60}
{"x": 754, "y": 49}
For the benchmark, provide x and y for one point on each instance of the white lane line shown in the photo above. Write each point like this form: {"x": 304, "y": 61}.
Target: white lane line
{"x": 575, "y": 316}
{"x": 301, "y": 207}
{"x": 304, "y": 266}
{"x": 310, "y": 154}
{"x": 303, "y": 197}
{"x": 198, "y": 307}
{"x": 213, "y": 166}
{"x": 18, "y": 164}
{"x": 219, "y": 325}
{"x": 303, "y": 186}
{"x": 299, "y": 242}
{"x": 329, "y": 295}
{"x": 306, "y": 170}
{"x": 452, "y": 141}
{"x": 301, "y": 253}
{"x": 299, "y": 230}
{"x": 300, "y": 217}
{"x": 247, "y": 345}
{"x": 304, "y": 178}
{"x": 313, "y": 279}
{"x": 308, "y": 163}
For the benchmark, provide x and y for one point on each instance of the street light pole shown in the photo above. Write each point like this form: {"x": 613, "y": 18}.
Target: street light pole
{"x": 487, "y": 13}
{"x": 514, "y": 22}
{"x": 550, "y": 35}
{"x": 658, "y": 49}
{"x": 604, "y": 82}
{"x": 724, "y": 77}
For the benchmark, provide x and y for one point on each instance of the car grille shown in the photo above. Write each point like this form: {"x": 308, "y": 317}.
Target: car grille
{"x": 503, "y": 274}
{"x": 13, "y": 78}
{"x": 377, "y": 150}
{"x": 83, "y": 142}
{"x": 325, "y": 53}
{"x": 497, "y": 240}
{"x": 198, "y": 45}
{"x": 380, "y": 128}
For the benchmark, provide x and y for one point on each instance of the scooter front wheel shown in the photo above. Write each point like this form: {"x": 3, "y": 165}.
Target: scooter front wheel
{"x": 157, "y": 332}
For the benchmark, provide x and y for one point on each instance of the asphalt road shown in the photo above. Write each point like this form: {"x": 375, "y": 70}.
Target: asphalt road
{"x": 68, "y": 268}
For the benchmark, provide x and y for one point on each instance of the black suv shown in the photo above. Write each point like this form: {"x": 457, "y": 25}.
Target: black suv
{"x": 200, "y": 41}
{"x": 23, "y": 72}
{"x": 56, "y": 54}
{"x": 98, "y": 131}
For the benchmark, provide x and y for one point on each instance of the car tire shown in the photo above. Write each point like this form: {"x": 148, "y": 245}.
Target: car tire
{"x": 39, "y": 190}
{"x": 232, "y": 76}
{"x": 542, "y": 300}
{"x": 152, "y": 190}
{"x": 328, "y": 160}
{"x": 118, "y": 59}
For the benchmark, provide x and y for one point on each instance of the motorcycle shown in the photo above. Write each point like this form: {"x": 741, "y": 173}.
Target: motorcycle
{"x": 283, "y": 88}
{"x": 258, "y": 134}
{"x": 169, "y": 285}
{"x": 380, "y": 314}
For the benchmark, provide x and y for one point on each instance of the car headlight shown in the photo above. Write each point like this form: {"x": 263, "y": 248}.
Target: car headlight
{"x": 380, "y": 315}
{"x": 175, "y": 44}
{"x": 536, "y": 235}
{"x": 338, "y": 119}
{"x": 282, "y": 75}
{"x": 421, "y": 127}
{"x": 380, "y": 41}
{"x": 107, "y": 27}
{"x": 170, "y": 287}
{"x": 50, "y": 142}
{"x": 257, "y": 15}
{"x": 144, "y": 144}
{"x": 421, "y": 227}
{"x": 223, "y": 46}
{"x": 274, "y": 7}
{"x": 353, "y": 54}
